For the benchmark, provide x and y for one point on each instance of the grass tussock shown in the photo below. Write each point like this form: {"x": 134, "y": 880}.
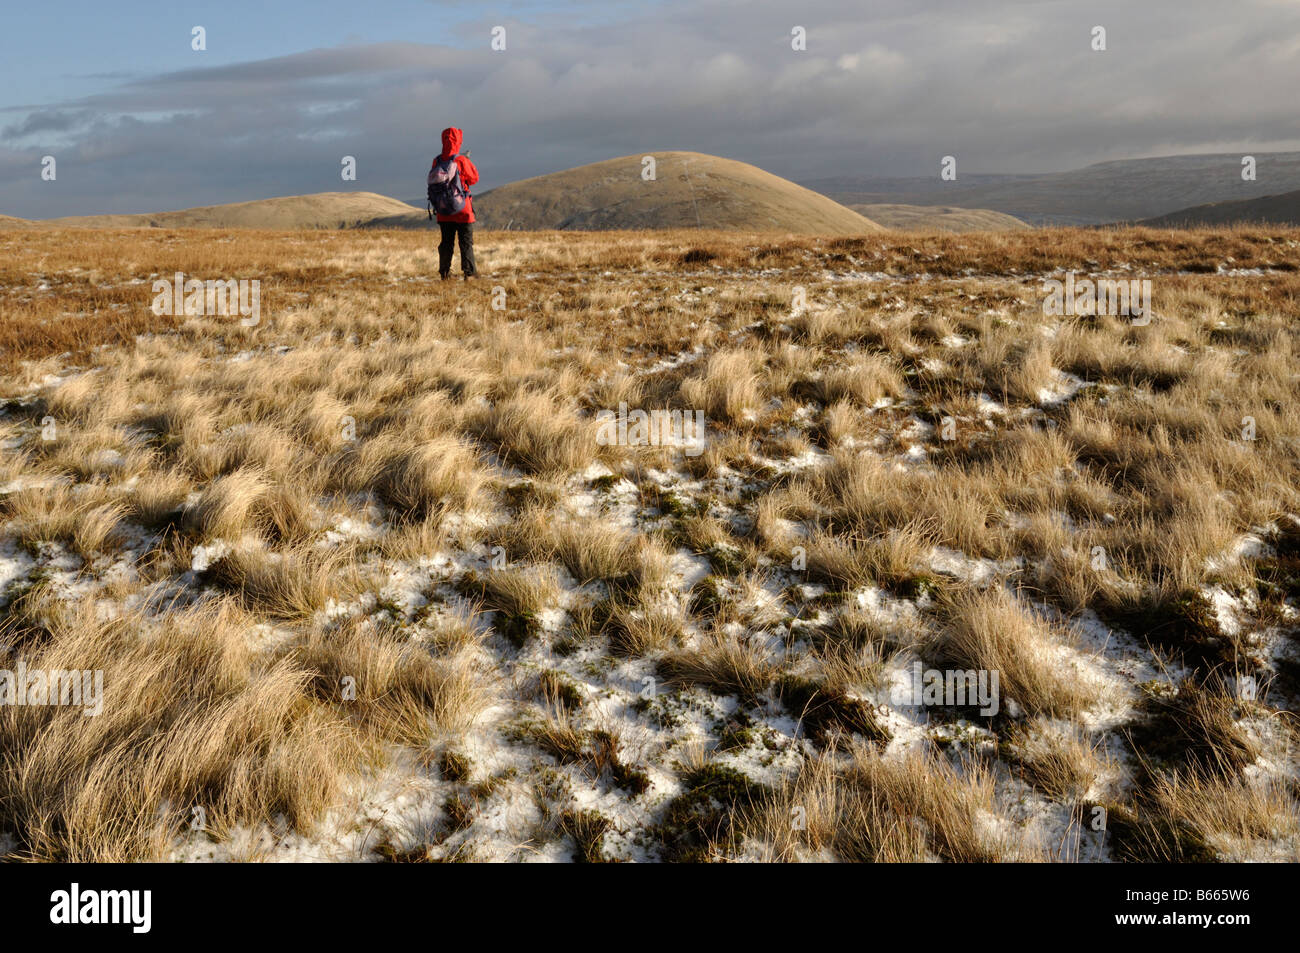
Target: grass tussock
{"x": 289, "y": 585}
{"x": 724, "y": 663}
{"x": 395, "y": 688}
{"x": 536, "y": 432}
{"x": 992, "y": 632}
{"x": 190, "y": 719}
{"x": 915, "y": 809}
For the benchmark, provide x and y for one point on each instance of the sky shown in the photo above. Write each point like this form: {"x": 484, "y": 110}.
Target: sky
{"x": 137, "y": 120}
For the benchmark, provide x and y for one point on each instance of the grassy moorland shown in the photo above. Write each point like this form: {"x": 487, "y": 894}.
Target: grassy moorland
{"x": 363, "y": 582}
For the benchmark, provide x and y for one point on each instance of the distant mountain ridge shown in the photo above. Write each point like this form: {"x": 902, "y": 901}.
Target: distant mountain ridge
{"x": 1114, "y": 191}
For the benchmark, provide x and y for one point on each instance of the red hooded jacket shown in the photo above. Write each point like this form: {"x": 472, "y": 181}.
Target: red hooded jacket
{"x": 451, "y": 140}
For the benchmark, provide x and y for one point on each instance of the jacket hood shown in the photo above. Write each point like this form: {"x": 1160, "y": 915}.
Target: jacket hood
{"x": 451, "y": 138}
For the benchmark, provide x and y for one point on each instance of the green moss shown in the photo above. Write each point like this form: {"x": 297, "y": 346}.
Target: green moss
{"x": 825, "y": 712}
{"x": 603, "y": 755}
{"x": 517, "y": 627}
{"x": 1155, "y": 688}
{"x": 726, "y": 559}
{"x": 673, "y": 708}
{"x": 737, "y": 733}
{"x": 469, "y": 585}
{"x": 707, "y": 598}
{"x": 35, "y": 548}
{"x": 829, "y": 599}
{"x": 518, "y": 495}
{"x": 393, "y": 608}
{"x": 670, "y": 504}
{"x": 629, "y": 777}
{"x": 705, "y": 814}
{"x": 918, "y": 586}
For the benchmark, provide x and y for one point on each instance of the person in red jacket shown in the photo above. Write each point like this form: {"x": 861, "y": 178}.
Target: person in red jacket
{"x": 458, "y": 226}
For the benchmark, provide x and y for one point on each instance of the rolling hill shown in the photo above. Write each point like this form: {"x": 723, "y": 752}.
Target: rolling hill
{"x": 9, "y": 221}
{"x": 1281, "y": 209}
{"x": 939, "y": 218}
{"x": 690, "y": 190}
{"x": 321, "y": 210}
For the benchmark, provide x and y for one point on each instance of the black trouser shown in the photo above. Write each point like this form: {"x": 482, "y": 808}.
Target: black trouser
{"x": 450, "y": 232}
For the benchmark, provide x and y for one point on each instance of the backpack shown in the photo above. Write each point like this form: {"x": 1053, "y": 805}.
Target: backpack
{"x": 446, "y": 194}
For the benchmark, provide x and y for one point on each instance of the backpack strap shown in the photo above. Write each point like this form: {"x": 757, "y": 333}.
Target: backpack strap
{"x": 456, "y": 165}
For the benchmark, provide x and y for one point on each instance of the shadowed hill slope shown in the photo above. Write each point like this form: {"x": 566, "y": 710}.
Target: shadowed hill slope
{"x": 1281, "y": 209}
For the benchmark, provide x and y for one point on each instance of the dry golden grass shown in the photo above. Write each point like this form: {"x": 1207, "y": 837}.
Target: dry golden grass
{"x": 289, "y": 584}
{"x": 393, "y": 686}
{"x": 645, "y": 629}
{"x": 915, "y": 809}
{"x": 535, "y": 432}
{"x": 520, "y": 592}
{"x": 191, "y": 718}
{"x": 724, "y": 663}
{"x": 86, "y": 521}
{"x": 1063, "y": 762}
{"x": 417, "y": 480}
{"x": 588, "y": 549}
{"x": 888, "y": 561}
{"x": 991, "y": 631}
{"x": 225, "y": 506}
{"x": 378, "y": 433}
{"x": 1255, "y": 820}
{"x": 728, "y": 387}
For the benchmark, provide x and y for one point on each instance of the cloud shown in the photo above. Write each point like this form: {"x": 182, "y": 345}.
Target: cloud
{"x": 1004, "y": 85}
{"x": 46, "y": 120}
